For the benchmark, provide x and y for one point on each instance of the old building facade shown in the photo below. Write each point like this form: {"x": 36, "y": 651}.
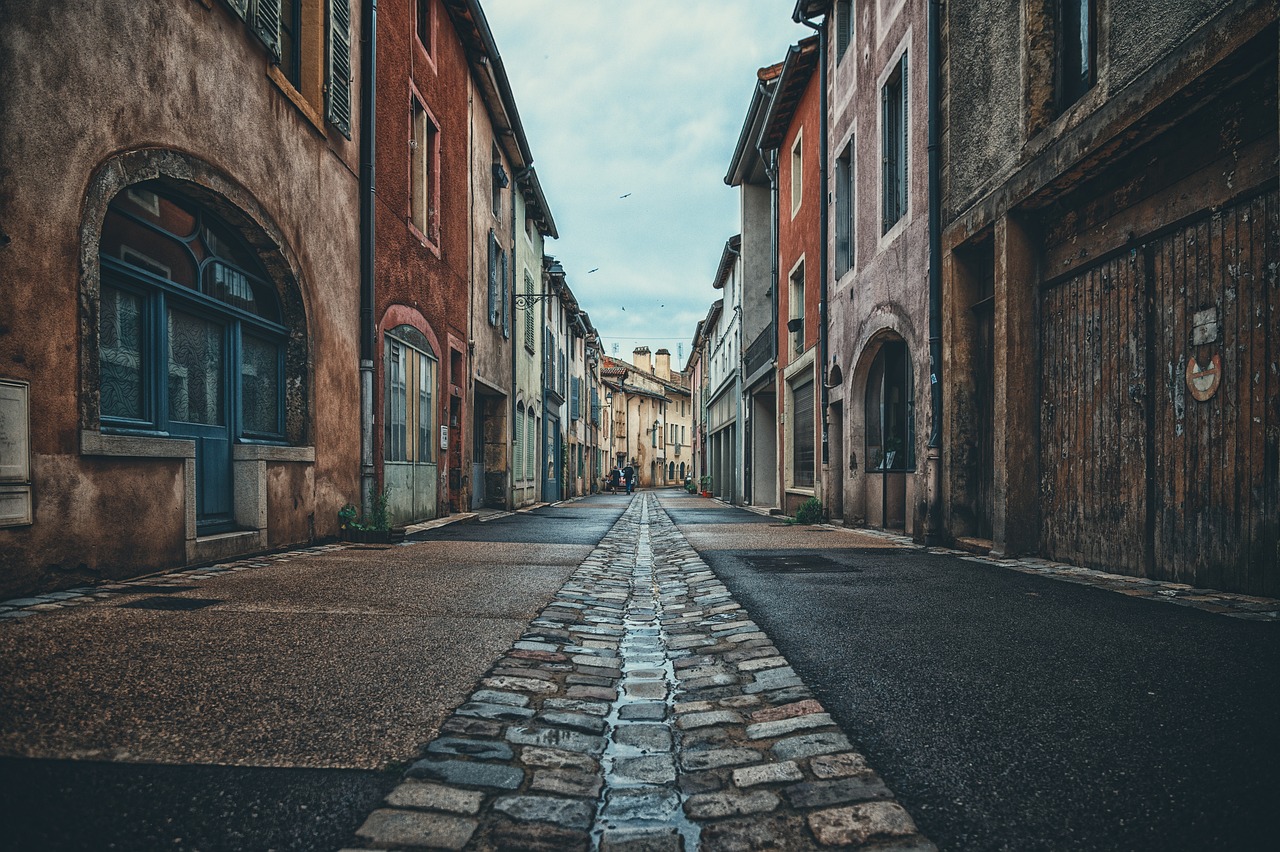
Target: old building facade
{"x": 1110, "y": 269}
{"x": 180, "y": 318}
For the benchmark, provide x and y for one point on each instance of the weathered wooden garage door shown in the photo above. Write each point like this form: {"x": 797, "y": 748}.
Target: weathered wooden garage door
{"x": 1137, "y": 475}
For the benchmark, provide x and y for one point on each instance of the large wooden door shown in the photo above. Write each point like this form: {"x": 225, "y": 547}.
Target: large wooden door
{"x": 1137, "y": 475}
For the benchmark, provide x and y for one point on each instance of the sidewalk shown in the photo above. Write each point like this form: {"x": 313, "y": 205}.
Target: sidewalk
{"x": 642, "y": 709}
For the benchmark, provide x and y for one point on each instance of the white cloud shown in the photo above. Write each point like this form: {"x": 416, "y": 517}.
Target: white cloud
{"x": 644, "y": 97}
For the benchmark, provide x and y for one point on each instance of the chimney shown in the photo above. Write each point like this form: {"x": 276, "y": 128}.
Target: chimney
{"x": 663, "y": 369}
{"x": 640, "y": 357}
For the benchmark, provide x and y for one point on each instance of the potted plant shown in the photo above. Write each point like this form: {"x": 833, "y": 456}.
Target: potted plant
{"x": 354, "y": 526}
{"x": 706, "y": 485}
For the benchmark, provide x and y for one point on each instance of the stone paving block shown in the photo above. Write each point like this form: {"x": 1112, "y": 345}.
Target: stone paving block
{"x": 493, "y": 696}
{"x": 562, "y": 812}
{"x": 551, "y": 758}
{"x": 645, "y": 737}
{"x": 482, "y": 728}
{"x": 523, "y": 684}
{"x": 416, "y": 829}
{"x": 574, "y": 705}
{"x": 656, "y": 804}
{"x": 690, "y": 721}
{"x": 536, "y": 837}
{"x": 719, "y": 757}
{"x": 641, "y": 840}
{"x": 839, "y": 791}
{"x": 753, "y": 833}
{"x": 787, "y": 711}
{"x": 467, "y": 773}
{"x": 647, "y": 769}
{"x": 436, "y": 797}
{"x": 589, "y": 680}
{"x": 573, "y": 721}
{"x": 645, "y": 689}
{"x": 767, "y": 773}
{"x": 683, "y": 707}
{"x": 781, "y": 727}
{"x": 838, "y": 765}
{"x": 856, "y": 824}
{"x": 739, "y": 702}
{"x": 706, "y": 781}
{"x": 479, "y": 749}
{"x": 556, "y": 738}
{"x": 719, "y": 805}
{"x": 767, "y": 685}
{"x": 809, "y": 745}
{"x": 567, "y": 782}
{"x": 595, "y": 693}
{"x": 643, "y": 710}
{"x": 499, "y": 712}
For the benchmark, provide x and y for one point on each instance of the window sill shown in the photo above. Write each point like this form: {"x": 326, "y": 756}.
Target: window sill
{"x": 427, "y": 242}
{"x": 135, "y": 446}
{"x": 296, "y": 98}
{"x": 273, "y": 453}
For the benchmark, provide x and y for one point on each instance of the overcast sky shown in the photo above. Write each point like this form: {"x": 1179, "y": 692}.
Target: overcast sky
{"x": 642, "y": 99}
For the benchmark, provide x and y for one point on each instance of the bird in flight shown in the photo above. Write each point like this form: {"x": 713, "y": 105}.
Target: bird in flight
{"x": 589, "y": 271}
{"x": 628, "y": 195}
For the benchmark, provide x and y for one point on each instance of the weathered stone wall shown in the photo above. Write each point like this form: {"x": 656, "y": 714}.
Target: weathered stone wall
{"x": 120, "y": 82}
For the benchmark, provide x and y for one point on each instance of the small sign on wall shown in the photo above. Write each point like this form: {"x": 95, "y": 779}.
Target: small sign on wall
{"x": 15, "y": 453}
{"x": 444, "y": 437}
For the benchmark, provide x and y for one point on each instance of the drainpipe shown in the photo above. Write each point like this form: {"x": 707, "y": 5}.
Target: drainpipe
{"x": 368, "y": 139}
{"x": 935, "y": 532}
{"x": 514, "y": 327}
{"x": 823, "y": 226}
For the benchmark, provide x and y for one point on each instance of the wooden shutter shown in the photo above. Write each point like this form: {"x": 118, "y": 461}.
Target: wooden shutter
{"x": 240, "y": 8}
{"x": 505, "y": 290}
{"x": 337, "y": 84}
{"x": 903, "y": 112}
{"x": 493, "y": 279}
{"x": 844, "y": 27}
{"x": 266, "y": 24}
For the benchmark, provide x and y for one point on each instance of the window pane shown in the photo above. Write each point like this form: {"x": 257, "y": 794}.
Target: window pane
{"x": 260, "y": 374}
{"x": 426, "y": 381}
{"x": 195, "y": 370}
{"x": 120, "y": 326}
{"x": 802, "y": 434}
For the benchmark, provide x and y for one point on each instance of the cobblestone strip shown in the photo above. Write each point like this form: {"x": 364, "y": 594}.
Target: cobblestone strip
{"x": 641, "y": 710}
{"x": 1230, "y": 604}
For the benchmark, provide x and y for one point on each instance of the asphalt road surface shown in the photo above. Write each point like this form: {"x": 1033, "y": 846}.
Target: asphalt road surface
{"x": 1011, "y": 711}
{"x": 278, "y": 713}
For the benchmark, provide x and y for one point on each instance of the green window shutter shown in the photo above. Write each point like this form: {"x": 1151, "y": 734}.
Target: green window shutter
{"x": 902, "y": 137}
{"x": 241, "y": 8}
{"x": 337, "y": 83}
{"x": 266, "y": 23}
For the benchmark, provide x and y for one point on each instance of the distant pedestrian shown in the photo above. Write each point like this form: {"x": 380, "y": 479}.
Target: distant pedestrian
{"x": 629, "y": 474}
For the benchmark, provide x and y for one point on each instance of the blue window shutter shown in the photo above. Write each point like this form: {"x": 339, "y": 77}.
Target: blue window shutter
{"x": 266, "y": 23}
{"x": 338, "y": 79}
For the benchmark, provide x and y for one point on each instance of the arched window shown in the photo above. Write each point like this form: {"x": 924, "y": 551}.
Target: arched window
{"x": 531, "y": 445}
{"x": 191, "y": 339}
{"x": 682, "y": 471}
{"x": 890, "y": 410}
{"x": 409, "y": 411}
{"x": 671, "y": 471}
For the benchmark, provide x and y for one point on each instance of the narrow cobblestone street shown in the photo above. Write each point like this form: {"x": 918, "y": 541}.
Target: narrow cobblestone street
{"x": 643, "y": 709}
{"x": 658, "y": 671}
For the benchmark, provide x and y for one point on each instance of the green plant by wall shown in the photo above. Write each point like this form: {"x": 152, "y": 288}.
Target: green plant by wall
{"x": 378, "y": 509}
{"x": 810, "y": 512}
